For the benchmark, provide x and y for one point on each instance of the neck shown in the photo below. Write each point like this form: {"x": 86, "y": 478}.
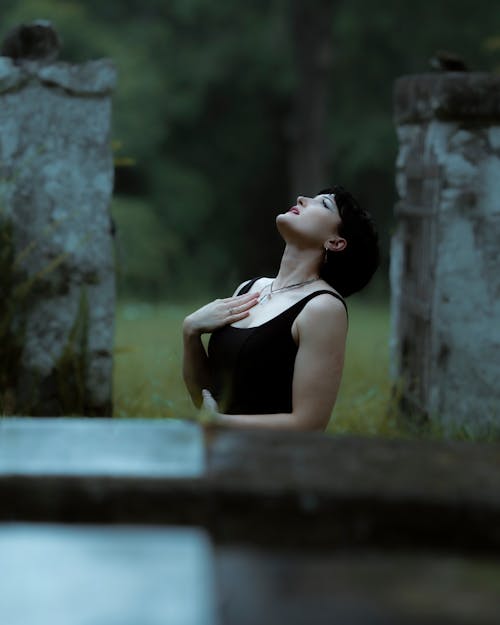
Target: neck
{"x": 297, "y": 265}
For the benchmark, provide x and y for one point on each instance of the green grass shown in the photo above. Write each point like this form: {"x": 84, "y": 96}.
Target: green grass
{"x": 364, "y": 404}
{"x": 148, "y": 380}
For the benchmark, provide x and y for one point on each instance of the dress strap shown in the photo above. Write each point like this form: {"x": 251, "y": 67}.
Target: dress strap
{"x": 246, "y": 287}
{"x": 301, "y": 303}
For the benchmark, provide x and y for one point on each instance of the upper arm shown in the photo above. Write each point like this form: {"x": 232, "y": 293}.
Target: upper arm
{"x": 322, "y": 331}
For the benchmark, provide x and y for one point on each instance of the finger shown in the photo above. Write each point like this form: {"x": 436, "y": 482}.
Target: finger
{"x": 242, "y": 306}
{"x": 247, "y": 296}
{"x": 205, "y": 416}
{"x": 242, "y": 298}
{"x": 236, "y": 313}
{"x": 208, "y": 401}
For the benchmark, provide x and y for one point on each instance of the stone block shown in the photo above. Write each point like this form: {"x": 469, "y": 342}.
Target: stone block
{"x": 332, "y": 492}
{"x": 100, "y": 447}
{"x": 445, "y": 284}
{"x": 56, "y": 575}
{"x": 468, "y": 96}
{"x": 56, "y": 181}
{"x": 362, "y": 587}
{"x": 276, "y": 489}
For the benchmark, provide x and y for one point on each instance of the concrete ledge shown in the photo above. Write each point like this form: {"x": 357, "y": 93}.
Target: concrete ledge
{"x": 293, "y": 489}
{"x": 100, "y": 447}
{"x": 447, "y": 95}
{"x": 55, "y": 575}
{"x": 314, "y": 489}
{"x": 355, "y": 588}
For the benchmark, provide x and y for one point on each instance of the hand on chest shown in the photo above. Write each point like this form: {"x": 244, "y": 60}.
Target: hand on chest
{"x": 268, "y": 309}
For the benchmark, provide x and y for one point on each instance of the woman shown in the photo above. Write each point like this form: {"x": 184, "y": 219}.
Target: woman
{"x": 276, "y": 353}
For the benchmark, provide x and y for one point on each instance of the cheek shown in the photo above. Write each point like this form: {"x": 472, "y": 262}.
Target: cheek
{"x": 326, "y": 225}
{"x": 333, "y": 225}
{"x": 318, "y": 230}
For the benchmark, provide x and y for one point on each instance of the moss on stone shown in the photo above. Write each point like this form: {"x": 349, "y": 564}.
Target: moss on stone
{"x": 12, "y": 320}
{"x": 64, "y": 391}
{"x": 71, "y": 367}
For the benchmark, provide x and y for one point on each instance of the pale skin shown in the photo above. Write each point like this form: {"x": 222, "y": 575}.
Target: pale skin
{"x": 319, "y": 330}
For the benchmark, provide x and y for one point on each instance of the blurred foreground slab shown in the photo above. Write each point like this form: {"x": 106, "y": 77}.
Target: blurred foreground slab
{"x": 362, "y": 587}
{"x": 100, "y": 447}
{"x": 56, "y": 575}
{"x": 266, "y": 488}
{"x": 315, "y": 490}
{"x": 305, "y": 528}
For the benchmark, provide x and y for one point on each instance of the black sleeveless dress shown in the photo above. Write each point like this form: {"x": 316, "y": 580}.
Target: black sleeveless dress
{"x": 252, "y": 368}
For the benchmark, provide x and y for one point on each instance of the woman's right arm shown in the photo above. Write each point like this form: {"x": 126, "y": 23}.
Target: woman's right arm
{"x": 214, "y": 315}
{"x": 194, "y": 363}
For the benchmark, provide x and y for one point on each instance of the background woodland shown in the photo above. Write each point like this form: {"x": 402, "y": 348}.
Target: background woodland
{"x": 226, "y": 110}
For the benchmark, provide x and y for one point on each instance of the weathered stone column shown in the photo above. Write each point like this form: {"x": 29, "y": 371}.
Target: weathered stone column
{"x": 56, "y": 259}
{"x": 445, "y": 274}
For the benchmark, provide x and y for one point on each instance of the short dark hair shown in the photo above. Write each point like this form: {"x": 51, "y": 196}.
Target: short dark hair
{"x": 350, "y": 270}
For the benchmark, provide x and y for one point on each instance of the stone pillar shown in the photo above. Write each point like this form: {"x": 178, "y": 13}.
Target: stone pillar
{"x": 445, "y": 278}
{"x": 57, "y": 284}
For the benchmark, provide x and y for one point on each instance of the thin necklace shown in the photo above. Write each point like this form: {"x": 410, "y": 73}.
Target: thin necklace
{"x": 283, "y": 288}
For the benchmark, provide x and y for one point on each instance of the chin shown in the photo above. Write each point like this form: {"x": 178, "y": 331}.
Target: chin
{"x": 284, "y": 217}
{"x": 281, "y": 218}
{"x": 283, "y": 224}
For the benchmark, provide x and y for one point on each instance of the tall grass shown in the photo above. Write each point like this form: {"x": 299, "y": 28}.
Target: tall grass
{"x": 148, "y": 380}
{"x": 364, "y": 403}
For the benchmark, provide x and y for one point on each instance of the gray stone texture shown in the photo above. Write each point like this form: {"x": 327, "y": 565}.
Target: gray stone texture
{"x": 275, "y": 489}
{"x": 56, "y": 575}
{"x": 306, "y": 527}
{"x": 101, "y": 447}
{"x": 361, "y": 587}
{"x": 56, "y": 179}
{"x": 445, "y": 278}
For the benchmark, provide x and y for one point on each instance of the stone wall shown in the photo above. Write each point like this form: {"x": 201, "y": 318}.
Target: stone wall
{"x": 58, "y": 290}
{"x": 445, "y": 336}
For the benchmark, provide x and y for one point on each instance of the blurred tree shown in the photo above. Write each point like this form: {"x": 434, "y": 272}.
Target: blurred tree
{"x": 311, "y": 33}
{"x": 227, "y": 110}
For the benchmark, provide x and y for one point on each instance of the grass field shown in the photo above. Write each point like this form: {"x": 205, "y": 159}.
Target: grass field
{"x": 148, "y": 381}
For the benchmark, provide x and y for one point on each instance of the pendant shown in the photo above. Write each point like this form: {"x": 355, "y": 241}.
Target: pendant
{"x": 268, "y": 295}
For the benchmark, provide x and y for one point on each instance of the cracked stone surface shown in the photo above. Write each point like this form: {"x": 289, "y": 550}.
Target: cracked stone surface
{"x": 56, "y": 180}
{"x": 444, "y": 256}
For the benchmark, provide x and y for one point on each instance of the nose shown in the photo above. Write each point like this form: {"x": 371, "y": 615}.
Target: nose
{"x": 301, "y": 200}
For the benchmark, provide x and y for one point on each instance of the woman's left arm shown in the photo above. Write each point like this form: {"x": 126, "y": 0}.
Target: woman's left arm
{"x": 322, "y": 331}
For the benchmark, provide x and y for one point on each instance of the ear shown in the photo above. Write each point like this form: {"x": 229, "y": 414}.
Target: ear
{"x": 335, "y": 245}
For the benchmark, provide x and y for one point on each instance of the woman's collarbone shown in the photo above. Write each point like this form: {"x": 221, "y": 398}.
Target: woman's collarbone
{"x": 272, "y": 307}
